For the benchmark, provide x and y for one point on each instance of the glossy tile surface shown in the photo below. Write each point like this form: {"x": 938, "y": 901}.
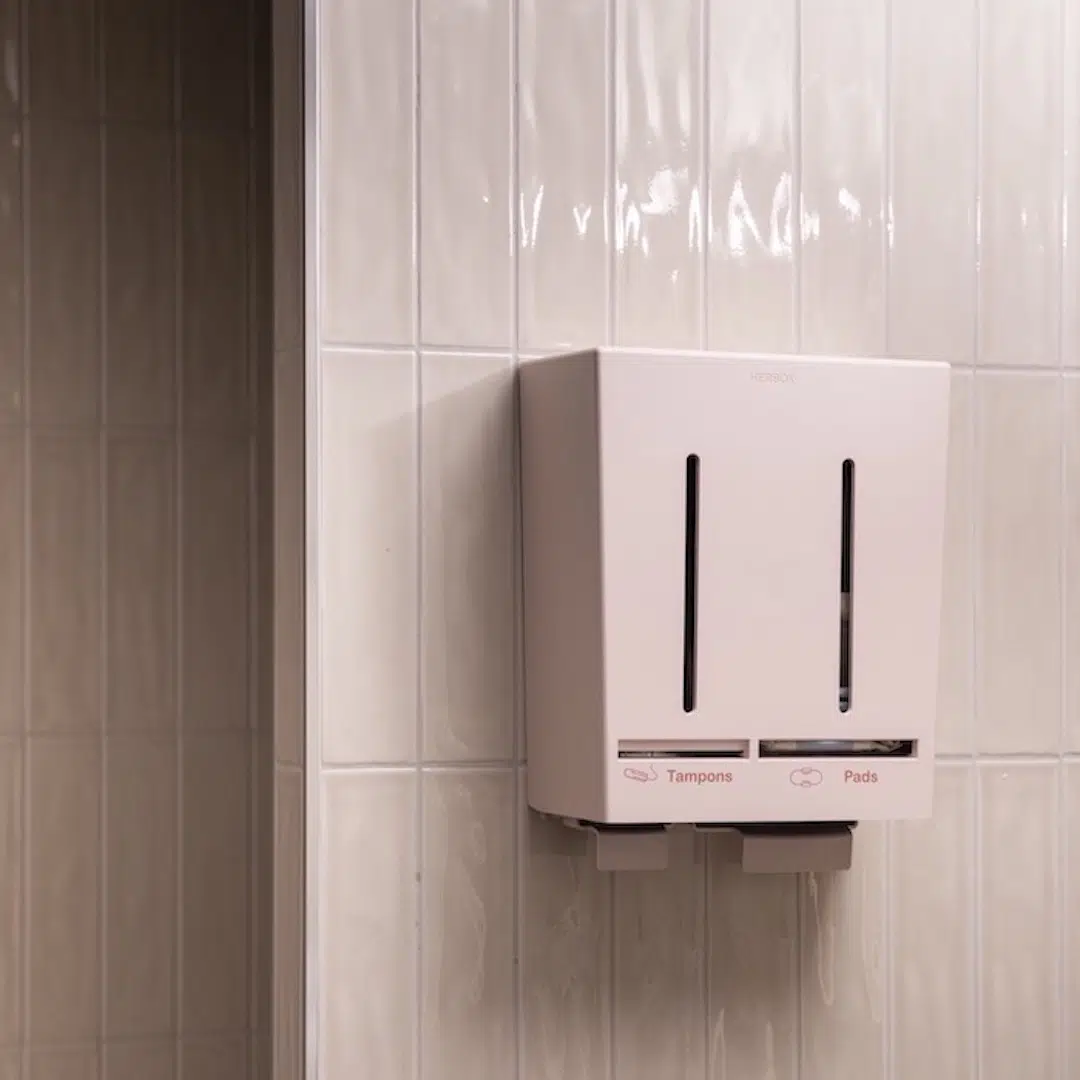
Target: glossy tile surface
{"x": 1072, "y": 564}
{"x": 11, "y": 861}
{"x": 12, "y": 579}
{"x": 467, "y": 576}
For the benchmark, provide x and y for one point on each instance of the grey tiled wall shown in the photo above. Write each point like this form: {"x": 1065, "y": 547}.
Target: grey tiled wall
{"x": 493, "y": 179}
{"x": 134, "y": 321}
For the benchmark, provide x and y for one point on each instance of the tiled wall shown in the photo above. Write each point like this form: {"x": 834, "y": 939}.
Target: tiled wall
{"x": 133, "y": 283}
{"x": 492, "y": 178}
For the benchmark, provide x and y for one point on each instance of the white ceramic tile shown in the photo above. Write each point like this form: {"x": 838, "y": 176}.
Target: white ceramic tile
{"x": 63, "y": 54}
{"x": 932, "y": 156}
{"x": 12, "y": 580}
{"x": 1020, "y": 922}
{"x": 288, "y": 174}
{"x": 566, "y": 958}
{"x": 140, "y": 1061}
{"x": 224, "y": 1057}
{"x": 1020, "y": 181}
{"x": 289, "y": 555}
{"x": 215, "y": 897}
{"x": 468, "y": 557}
{"x": 933, "y": 940}
{"x": 466, "y": 282}
{"x": 1071, "y": 959}
{"x": 141, "y": 582}
{"x": 843, "y": 181}
{"x": 956, "y": 672}
{"x": 65, "y": 271}
{"x": 467, "y": 915}
{"x": 367, "y": 946}
{"x": 843, "y": 965}
{"x": 366, "y": 124}
{"x": 368, "y": 558}
{"x": 659, "y": 991}
{"x": 215, "y": 554}
{"x": 140, "y": 276}
{"x": 289, "y": 925}
{"x": 63, "y": 889}
{"x": 1070, "y": 293}
{"x": 138, "y": 60}
{"x": 1072, "y": 564}
{"x": 12, "y": 266}
{"x": 752, "y": 969}
{"x": 65, "y": 582}
{"x": 54, "y": 1063}
{"x": 1018, "y": 630}
{"x": 563, "y": 207}
{"x": 10, "y": 74}
{"x": 751, "y": 217}
{"x": 140, "y": 886}
{"x": 213, "y": 56}
{"x": 214, "y": 312}
{"x": 11, "y": 852}
{"x": 658, "y": 173}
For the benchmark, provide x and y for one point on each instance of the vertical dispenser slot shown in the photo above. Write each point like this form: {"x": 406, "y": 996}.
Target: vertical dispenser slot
{"x": 847, "y": 511}
{"x": 690, "y": 584}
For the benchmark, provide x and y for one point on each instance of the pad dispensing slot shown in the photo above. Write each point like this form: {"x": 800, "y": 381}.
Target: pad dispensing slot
{"x": 690, "y": 584}
{"x": 829, "y": 748}
{"x": 847, "y": 501}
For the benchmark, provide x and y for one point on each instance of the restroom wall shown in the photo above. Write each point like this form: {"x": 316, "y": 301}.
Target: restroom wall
{"x": 134, "y": 279}
{"x": 491, "y": 179}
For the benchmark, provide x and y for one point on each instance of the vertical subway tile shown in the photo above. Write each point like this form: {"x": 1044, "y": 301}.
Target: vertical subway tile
{"x": 141, "y": 582}
{"x": 140, "y": 884}
{"x": 659, "y": 991}
{"x": 751, "y": 213}
{"x": 956, "y": 672}
{"x": 1020, "y": 182}
{"x": 289, "y": 557}
{"x": 468, "y": 573}
{"x": 215, "y": 553}
{"x": 63, "y": 47}
{"x": 11, "y": 89}
{"x": 138, "y": 60}
{"x": 368, "y": 555}
{"x": 658, "y": 173}
{"x": 367, "y": 1022}
{"x": 12, "y": 833}
{"x": 465, "y": 238}
{"x": 140, "y": 1061}
{"x": 214, "y": 912}
{"x": 289, "y": 927}
{"x": 566, "y": 958}
{"x": 933, "y": 915}
{"x": 65, "y": 585}
{"x": 140, "y": 276}
{"x": 1018, "y": 633}
{"x": 843, "y": 966}
{"x": 63, "y": 1063}
{"x": 12, "y": 361}
{"x": 64, "y": 776}
{"x": 12, "y": 580}
{"x": 467, "y": 913}
{"x": 563, "y": 209}
{"x": 214, "y": 61}
{"x": 843, "y": 182}
{"x": 365, "y": 139}
{"x": 215, "y": 287}
{"x": 65, "y": 271}
{"x": 932, "y": 154}
{"x": 1020, "y": 922}
{"x": 752, "y": 970}
{"x": 223, "y": 1057}
{"x": 1071, "y": 959}
{"x": 1070, "y": 652}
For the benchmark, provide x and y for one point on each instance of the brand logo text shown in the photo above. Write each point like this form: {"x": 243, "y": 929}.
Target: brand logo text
{"x": 772, "y": 377}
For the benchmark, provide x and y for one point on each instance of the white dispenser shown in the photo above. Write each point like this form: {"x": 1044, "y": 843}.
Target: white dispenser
{"x": 732, "y": 593}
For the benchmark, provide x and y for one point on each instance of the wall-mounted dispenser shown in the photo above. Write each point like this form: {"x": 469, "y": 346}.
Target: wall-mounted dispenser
{"x": 732, "y": 597}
